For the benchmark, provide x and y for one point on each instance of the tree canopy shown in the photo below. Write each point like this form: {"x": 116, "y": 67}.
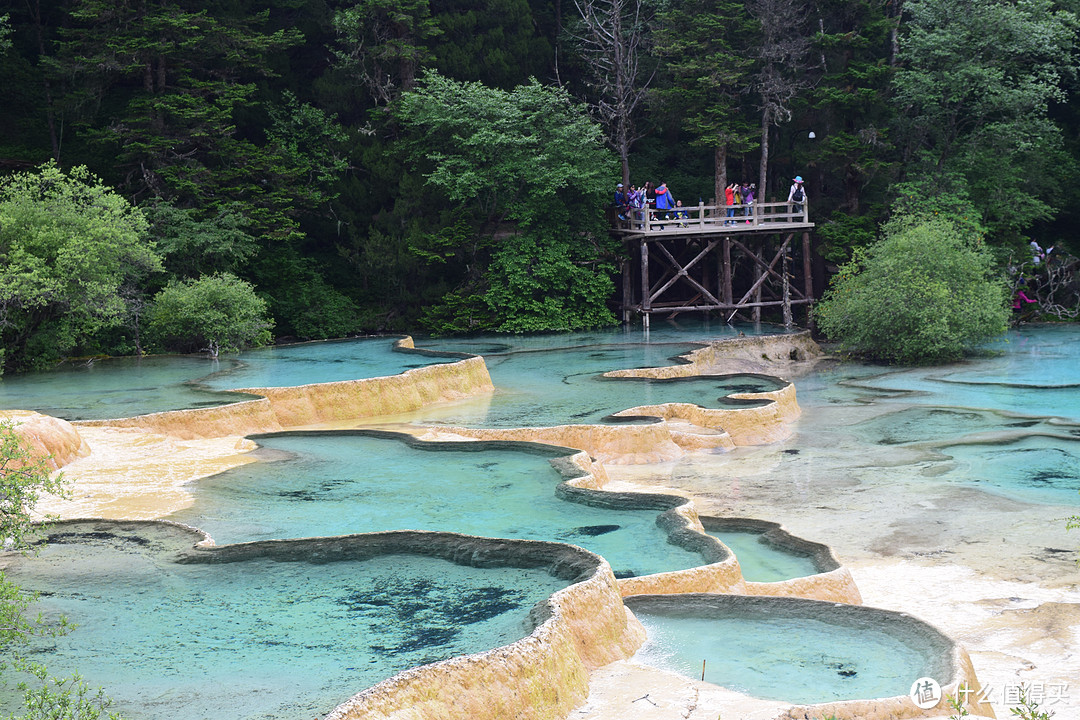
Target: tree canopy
{"x": 281, "y": 142}
{"x": 529, "y": 171}
{"x": 925, "y": 293}
{"x": 68, "y": 246}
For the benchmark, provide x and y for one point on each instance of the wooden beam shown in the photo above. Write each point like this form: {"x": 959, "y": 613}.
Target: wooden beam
{"x": 761, "y": 263}
{"x": 683, "y": 271}
{"x": 755, "y": 288}
{"x": 644, "y": 276}
{"x": 689, "y": 308}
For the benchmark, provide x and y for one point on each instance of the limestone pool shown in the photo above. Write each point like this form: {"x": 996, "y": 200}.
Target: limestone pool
{"x": 786, "y": 653}
{"x": 258, "y": 638}
{"x": 1005, "y": 424}
{"x": 348, "y": 483}
{"x": 542, "y": 380}
{"x": 121, "y": 387}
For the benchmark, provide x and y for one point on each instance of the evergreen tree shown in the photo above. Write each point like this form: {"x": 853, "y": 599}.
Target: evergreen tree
{"x": 527, "y": 172}
{"x": 706, "y": 46}
{"x": 973, "y": 92}
{"x": 852, "y": 160}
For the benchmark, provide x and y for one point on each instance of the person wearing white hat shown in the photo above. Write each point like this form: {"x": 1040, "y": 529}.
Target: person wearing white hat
{"x": 797, "y": 195}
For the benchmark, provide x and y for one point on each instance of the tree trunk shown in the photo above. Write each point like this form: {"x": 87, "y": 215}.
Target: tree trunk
{"x": 50, "y": 117}
{"x": 763, "y": 165}
{"x": 720, "y": 176}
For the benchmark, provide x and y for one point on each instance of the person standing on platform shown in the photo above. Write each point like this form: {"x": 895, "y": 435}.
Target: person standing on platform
{"x": 797, "y": 196}
{"x": 748, "y": 199}
{"x": 729, "y": 200}
{"x": 664, "y": 202}
{"x": 622, "y": 202}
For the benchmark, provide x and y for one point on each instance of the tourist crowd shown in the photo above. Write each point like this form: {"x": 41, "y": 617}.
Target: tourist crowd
{"x": 658, "y": 202}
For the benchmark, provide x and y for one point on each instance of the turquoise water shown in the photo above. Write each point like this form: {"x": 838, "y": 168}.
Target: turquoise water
{"x": 543, "y": 379}
{"x": 258, "y": 638}
{"x": 122, "y": 387}
{"x": 1003, "y": 424}
{"x": 115, "y": 387}
{"x": 665, "y": 332}
{"x": 319, "y": 362}
{"x": 1034, "y": 371}
{"x": 341, "y": 484}
{"x": 566, "y": 386}
{"x": 1034, "y": 469}
{"x": 1007, "y": 423}
{"x": 762, "y": 562}
{"x": 795, "y": 659}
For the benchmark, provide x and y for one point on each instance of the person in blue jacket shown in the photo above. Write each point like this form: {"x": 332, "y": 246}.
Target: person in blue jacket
{"x": 622, "y": 201}
{"x": 664, "y": 202}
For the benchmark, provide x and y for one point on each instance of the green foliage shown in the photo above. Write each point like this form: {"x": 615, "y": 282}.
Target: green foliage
{"x": 215, "y": 313}
{"x": 300, "y": 299}
{"x": 923, "y": 294}
{"x": 540, "y": 282}
{"x": 973, "y": 94}
{"x": 191, "y": 245}
{"x": 842, "y": 232}
{"x": 706, "y": 47}
{"x": 22, "y": 479}
{"x": 68, "y": 244}
{"x": 530, "y": 170}
{"x": 1028, "y": 709}
{"x": 491, "y": 41}
{"x": 957, "y": 705}
{"x": 62, "y": 698}
{"x": 947, "y": 199}
{"x": 380, "y": 44}
{"x": 171, "y": 110}
{"x": 457, "y": 313}
{"x": 5, "y": 34}
{"x": 519, "y": 155}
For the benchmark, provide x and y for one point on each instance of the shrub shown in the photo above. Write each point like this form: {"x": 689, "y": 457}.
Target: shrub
{"x": 924, "y": 293}
{"x": 215, "y": 313}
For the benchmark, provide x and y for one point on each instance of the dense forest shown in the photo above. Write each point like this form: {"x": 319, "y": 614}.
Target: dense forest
{"x": 445, "y": 164}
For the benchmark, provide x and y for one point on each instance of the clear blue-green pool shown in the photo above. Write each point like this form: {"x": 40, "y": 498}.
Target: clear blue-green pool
{"x": 341, "y": 484}
{"x": 121, "y": 387}
{"x": 762, "y": 561}
{"x": 257, "y": 638}
{"x": 794, "y": 658}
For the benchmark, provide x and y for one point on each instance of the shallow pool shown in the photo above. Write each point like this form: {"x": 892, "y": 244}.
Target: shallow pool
{"x": 339, "y": 484}
{"x": 122, "y": 387}
{"x": 768, "y": 651}
{"x": 566, "y": 386}
{"x": 762, "y": 561}
{"x": 257, "y": 638}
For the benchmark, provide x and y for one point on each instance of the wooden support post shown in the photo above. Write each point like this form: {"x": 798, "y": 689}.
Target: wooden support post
{"x": 808, "y": 280}
{"x": 646, "y": 302}
{"x": 788, "y": 322}
{"x": 726, "y": 270}
{"x": 627, "y": 291}
{"x": 756, "y": 312}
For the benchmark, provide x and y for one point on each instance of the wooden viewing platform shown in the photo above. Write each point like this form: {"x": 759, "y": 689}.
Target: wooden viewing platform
{"x": 689, "y": 263}
{"x": 704, "y": 219}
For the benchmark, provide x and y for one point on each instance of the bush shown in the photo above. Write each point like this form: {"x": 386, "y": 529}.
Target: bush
{"x": 214, "y": 313}
{"x": 69, "y": 246}
{"x": 923, "y": 294}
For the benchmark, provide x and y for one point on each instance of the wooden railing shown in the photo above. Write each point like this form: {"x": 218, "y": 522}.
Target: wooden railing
{"x": 709, "y": 218}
